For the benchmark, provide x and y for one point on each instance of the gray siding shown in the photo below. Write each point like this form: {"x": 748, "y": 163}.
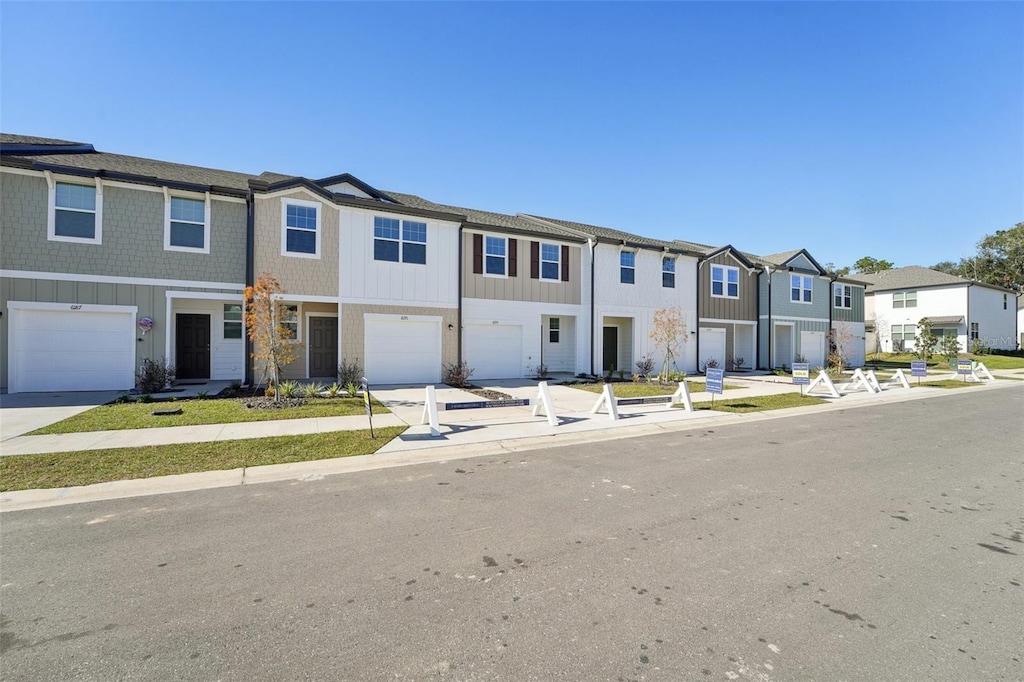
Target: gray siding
{"x": 521, "y": 287}
{"x": 853, "y": 314}
{"x": 743, "y": 308}
{"x": 150, "y": 300}
{"x": 821, "y": 298}
{"x": 765, "y": 356}
{"x": 133, "y": 237}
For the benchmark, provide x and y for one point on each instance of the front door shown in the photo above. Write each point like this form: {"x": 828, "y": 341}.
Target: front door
{"x": 610, "y": 354}
{"x": 192, "y": 359}
{"x": 323, "y": 347}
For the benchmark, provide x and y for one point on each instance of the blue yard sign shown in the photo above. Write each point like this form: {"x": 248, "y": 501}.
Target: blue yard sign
{"x": 801, "y": 373}
{"x": 964, "y": 367}
{"x": 714, "y": 377}
{"x": 918, "y": 368}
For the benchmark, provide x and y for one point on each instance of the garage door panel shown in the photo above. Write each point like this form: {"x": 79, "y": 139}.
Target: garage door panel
{"x": 72, "y": 350}
{"x": 494, "y": 351}
{"x": 403, "y": 351}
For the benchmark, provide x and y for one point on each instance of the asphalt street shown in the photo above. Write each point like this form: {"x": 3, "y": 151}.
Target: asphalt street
{"x": 880, "y": 543}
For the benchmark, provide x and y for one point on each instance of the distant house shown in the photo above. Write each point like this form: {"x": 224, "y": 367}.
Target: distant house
{"x": 971, "y": 311}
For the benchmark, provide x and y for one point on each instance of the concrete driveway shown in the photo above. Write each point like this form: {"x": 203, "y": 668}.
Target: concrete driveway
{"x": 21, "y": 413}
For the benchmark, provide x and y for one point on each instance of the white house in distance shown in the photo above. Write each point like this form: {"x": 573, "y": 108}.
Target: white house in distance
{"x": 896, "y": 300}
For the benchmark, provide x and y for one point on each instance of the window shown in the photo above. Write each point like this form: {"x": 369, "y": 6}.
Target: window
{"x": 186, "y": 224}
{"x": 550, "y": 262}
{"x": 975, "y": 331}
{"x": 668, "y": 272}
{"x": 554, "y": 327}
{"x": 74, "y": 212}
{"x": 800, "y": 288}
{"x": 496, "y": 256}
{"x": 395, "y": 240}
{"x": 300, "y": 236}
{"x": 842, "y": 295}
{"x": 290, "y": 319}
{"x": 904, "y": 299}
{"x": 1004, "y": 301}
{"x": 902, "y": 333}
{"x": 232, "y": 320}
{"x": 627, "y": 267}
{"x": 725, "y": 281}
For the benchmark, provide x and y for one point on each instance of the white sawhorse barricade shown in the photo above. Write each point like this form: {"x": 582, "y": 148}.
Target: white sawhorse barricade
{"x": 978, "y": 371}
{"x": 541, "y": 402}
{"x": 871, "y": 384}
{"x": 608, "y": 400}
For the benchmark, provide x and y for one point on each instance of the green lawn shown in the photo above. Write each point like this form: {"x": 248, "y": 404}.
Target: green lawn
{"x": 946, "y": 383}
{"x": 641, "y": 390}
{"x": 895, "y": 360}
{"x": 118, "y": 416}
{"x": 62, "y": 469}
{"x": 758, "y": 403}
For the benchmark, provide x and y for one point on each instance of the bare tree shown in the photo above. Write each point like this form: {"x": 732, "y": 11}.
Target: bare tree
{"x": 667, "y": 334}
{"x": 840, "y": 338}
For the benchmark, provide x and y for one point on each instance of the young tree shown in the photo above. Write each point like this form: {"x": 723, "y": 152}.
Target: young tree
{"x": 925, "y": 341}
{"x": 271, "y": 340}
{"x": 668, "y": 331}
{"x": 840, "y": 339}
{"x": 949, "y": 347}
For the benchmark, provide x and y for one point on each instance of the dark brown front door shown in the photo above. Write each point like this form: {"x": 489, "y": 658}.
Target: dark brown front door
{"x": 192, "y": 358}
{"x": 323, "y": 347}
{"x": 610, "y": 348}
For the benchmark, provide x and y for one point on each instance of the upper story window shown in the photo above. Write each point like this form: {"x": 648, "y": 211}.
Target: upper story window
{"x": 550, "y": 262}
{"x": 495, "y": 256}
{"x": 232, "y": 320}
{"x": 627, "y": 267}
{"x": 842, "y": 295}
{"x": 75, "y": 213}
{"x": 800, "y": 288}
{"x": 975, "y": 331}
{"x": 904, "y": 299}
{"x": 725, "y": 281}
{"x": 399, "y": 241}
{"x": 186, "y": 224}
{"x": 300, "y": 229}
{"x": 668, "y": 272}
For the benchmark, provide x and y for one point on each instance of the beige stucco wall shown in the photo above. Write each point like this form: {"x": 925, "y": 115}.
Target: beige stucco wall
{"x": 298, "y": 276}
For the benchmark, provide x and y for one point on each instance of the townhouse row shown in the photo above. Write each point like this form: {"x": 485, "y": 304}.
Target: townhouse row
{"x": 108, "y": 260}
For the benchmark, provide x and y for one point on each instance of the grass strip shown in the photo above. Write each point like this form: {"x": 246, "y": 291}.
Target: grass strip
{"x": 63, "y": 469}
{"x": 120, "y": 416}
{"x": 758, "y": 403}
{"x": 947, "y": 383}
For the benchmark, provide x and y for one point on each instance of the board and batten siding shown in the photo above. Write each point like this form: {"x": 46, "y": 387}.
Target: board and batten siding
{"x": 132, "y": 226}
{"x": 783, "y": 307}
{"x": 742, "y": 308}
{"x": 151, "y": 301}
{"x": 362, "y": 279}
{"x": 297, "y": 275}
{"x": 856, "y": 312}
{"x": 522, "y": 287}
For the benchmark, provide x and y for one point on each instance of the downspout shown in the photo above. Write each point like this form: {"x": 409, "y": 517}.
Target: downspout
{"x": 593, "y": 297}
{"x": 696, "y": 332}
{"x": 831, "y": 304}
{"x": 757, "y": 323}
{"x": 771, "y": 331}
{"x": 250, "y": 274}
{"x": 967, "y": 320}
{"x": 458, "y": 322}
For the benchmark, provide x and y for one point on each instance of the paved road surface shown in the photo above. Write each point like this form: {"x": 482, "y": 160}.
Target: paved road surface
{"x": 869, "y": 544}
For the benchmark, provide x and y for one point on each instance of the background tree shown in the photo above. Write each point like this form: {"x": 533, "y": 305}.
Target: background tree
{"x": 271, "y": 340}
{"x": 867, "y": 265}
{"x": 667, "y": 333}
{"x": 998, "y": 260}
{"x": 838, "y": 272}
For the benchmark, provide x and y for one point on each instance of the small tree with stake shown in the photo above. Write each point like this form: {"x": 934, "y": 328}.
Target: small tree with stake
{"x": 271, "y": 340}
{"x": 668, "y": 328}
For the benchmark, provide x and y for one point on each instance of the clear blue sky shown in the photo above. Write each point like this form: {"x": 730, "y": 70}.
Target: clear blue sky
{"x": 894, "y": 130}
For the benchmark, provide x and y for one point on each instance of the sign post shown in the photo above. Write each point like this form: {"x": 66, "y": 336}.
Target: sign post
{"x": 918, "y": 368}
{"x": 714, "y": 378}
{"x": 367, "y": 404}
{"x": 801, "y": 374}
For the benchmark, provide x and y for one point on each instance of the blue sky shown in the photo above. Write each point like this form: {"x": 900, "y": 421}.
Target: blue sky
{"x": 894, "y": 130}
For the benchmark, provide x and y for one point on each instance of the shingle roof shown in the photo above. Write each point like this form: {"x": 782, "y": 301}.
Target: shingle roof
{"x": 608, "y": 233}
{"x": 909, "y": 277}
{"x": 9, "y": 138}
{"x": 780, "y": 258}
{"x": 499, "y": 220}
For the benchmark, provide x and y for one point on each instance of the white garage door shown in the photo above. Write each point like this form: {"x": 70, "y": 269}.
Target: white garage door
{"x": 403, "y": 351}
{"x": 812, "y": 347}
{"x": 89, "y": 348}
{"x": 712, "y": 346}
{"x": 494, "y": 351}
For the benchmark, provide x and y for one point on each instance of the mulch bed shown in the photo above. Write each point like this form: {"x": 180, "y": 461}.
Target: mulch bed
{"x": 484, "y": 392}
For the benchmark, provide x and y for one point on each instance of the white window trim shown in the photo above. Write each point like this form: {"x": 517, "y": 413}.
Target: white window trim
{"x": 903, "y": 301}
{"x": 557, "y": 262}
{"x": 167, "y": 222}
{"x": 51, "y": 216}
{"x": 495, "y": 275}
{"x": 673, "y": 272}
{"x": 725, "y": 281}
{"x": 298, "y": 319}
{"x": 401, "y": 241}
{"x": 224, "y": 321}
{"x": 285, "y": 203}
{"x": 842, "y": 296}
{"x": 627, "y": 267}
{"x": 803, "y": 280}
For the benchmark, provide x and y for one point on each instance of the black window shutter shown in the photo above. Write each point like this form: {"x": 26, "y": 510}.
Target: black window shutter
{"x": 565, "y": 263}
{"x": 513, "y": 257}
{"x": 478, "y": 254}
{"x": 534, "y": 260}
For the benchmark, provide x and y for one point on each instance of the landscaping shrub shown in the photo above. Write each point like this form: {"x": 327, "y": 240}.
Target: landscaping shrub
{"x": 154, "y": 376}
{"x": 456, "y": 374}
{"x": 349, "y": 372}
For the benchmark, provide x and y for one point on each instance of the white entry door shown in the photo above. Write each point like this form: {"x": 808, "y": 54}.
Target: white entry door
{"x": 55, "y": 347}
{"x": 402, "y": 349}
{"x": 812, "y": 348}
{"x": 712, "y": 346}
{"x": 494, "y": 351}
